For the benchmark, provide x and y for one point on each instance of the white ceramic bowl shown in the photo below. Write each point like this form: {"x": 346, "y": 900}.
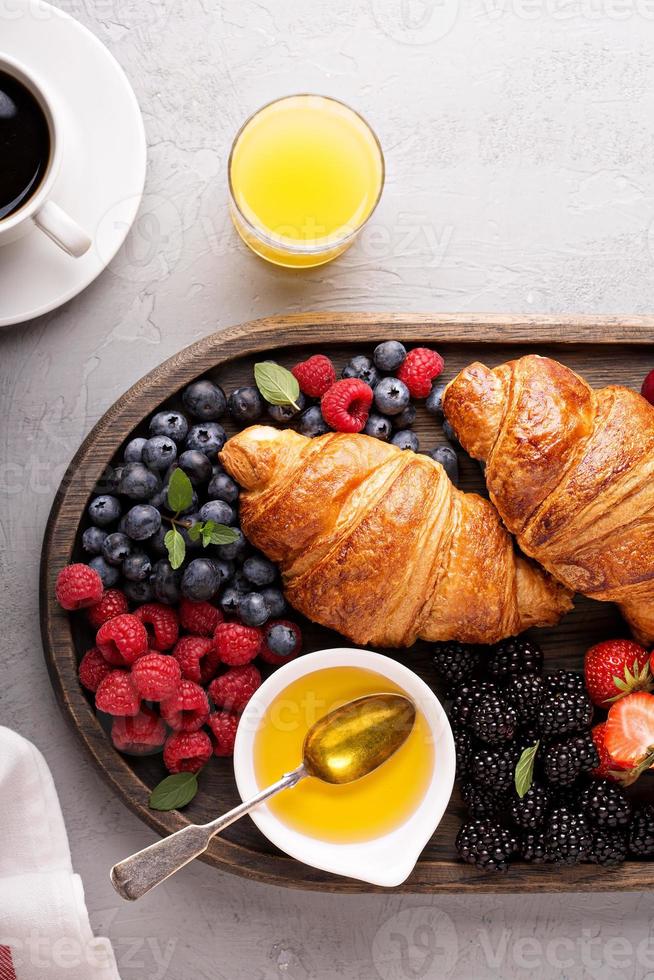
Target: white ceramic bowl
{"x": 387, "y": 860}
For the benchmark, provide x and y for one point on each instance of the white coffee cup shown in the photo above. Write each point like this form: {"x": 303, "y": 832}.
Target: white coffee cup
{"x": 40, "y": 209}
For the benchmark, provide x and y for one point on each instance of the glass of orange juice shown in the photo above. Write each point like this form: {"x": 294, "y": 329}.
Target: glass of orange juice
{"x": 305, "y": 174}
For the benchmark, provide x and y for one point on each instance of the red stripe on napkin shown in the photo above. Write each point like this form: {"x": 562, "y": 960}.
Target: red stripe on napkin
{"x": 7, "y": 971}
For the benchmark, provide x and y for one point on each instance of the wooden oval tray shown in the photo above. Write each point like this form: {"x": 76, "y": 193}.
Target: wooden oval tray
{"x": 603, "y": 349}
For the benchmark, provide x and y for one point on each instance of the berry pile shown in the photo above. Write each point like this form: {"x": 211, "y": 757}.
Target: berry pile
{"x": 538, "y": 782}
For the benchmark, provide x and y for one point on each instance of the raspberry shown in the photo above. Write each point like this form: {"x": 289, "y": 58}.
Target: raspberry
{"x": 187, "y": 751}
{"x": 113, "y": 603}
{"x": 161, "y": 624}
{"x": 78, "y": 586}
{"x": 122, "y": 640}
{"x": 345, "y": 405}
{"x": 92, "y": 669}
{"x": 197, "y": 658}
{"x": 270, "y": 656}
{"x": 237, "y": 644}
{"x": 223, "y": 725}
{"x": 315, "y": 376}
{"x": 140, "y": 735}
{"x": 117, "y": 695}
{"x": 156, "y": 676}
{"x": 187, "y": 709}
{"x": 199, "y": 618}
{"x": 419, "y": 369}
{"x": 234, "y": 689}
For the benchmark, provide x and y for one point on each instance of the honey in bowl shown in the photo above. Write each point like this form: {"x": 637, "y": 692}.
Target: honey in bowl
{"x": 357, "y": 811}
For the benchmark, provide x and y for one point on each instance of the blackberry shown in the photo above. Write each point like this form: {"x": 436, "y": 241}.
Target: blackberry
{"x": 605, "y": 804}
{"x": 524, "y": 695}
{"x": 481, "y": 801}
{"x": 535, "y": 848}
{"x": 531, "y": 810}
{"x": 569, "y": 758}
{"x": 565, "y": 705}
{"x": 486, "y": 844}
{"x": 463, "y": 746}
{"x": 493, "y": 768}
{"x": 607, "y": 847}
{"x": 456, "y": 662}
{"x": 568, "y": 835}
{"x": 492, "y": 719}
{"x": 641, "y": 832}
{"x": 466, "y": 699}
{"x": 516, "y": 655}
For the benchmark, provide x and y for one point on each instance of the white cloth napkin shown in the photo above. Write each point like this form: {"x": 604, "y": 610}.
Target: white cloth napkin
{"x": 45, "y": 932}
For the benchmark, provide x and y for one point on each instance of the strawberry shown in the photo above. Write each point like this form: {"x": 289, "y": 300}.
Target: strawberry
{"x": 616, "y": 668}
{"x": 608, "y": 768}
{"x": 629, "y": 733}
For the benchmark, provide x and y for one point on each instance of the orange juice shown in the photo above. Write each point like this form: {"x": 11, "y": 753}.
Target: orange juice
{"x": 305, "y": 174}
{"x": 357, "y": 811}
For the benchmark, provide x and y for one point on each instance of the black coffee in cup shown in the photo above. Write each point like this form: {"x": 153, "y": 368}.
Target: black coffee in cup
{"x": 24, "y": 145}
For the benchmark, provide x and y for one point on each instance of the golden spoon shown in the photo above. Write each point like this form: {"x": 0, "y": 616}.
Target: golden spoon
{"x": 344, "y": 745}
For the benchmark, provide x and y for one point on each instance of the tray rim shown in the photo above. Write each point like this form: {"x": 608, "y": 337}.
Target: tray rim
{"x": 222, "y": 347}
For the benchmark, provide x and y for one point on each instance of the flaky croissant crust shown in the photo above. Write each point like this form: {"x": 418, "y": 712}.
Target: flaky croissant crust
{"x": 571, "y": 472}
{"x": 378, "y": 544}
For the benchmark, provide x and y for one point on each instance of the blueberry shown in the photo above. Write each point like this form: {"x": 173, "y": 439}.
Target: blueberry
{"x": 192, "y": 518}
{"x": 196, "y": 466}
{"x": 200, "y": 580}
{"x": 406, "y": 439}
{"x": 225, "y": 569}
{"x": 207, "y": 437}
{"x": 245, "y": 404}
{"x": 156, "y": 542}
{"x": 165, "y": 582}
{"x": 160, "y": 498}
{"x": 138, "y": 591}
{"x": 235, "y": 549}
{"x": 108, "y": 573}
{"x": 229, "y": 600}
{"x": 204, "y": 400}
{"x": 391, "y": 396}
{"x": 138, "y": 482}
{"x": 171, "y": 424}
{"x": 284, "y": 413}
{"x": 142, "y": 521}
{"x": 116, "y": 547}
{"x": 389, "y": 355}
{"x": 159, "y": 452}
{"x": 253, "y": 610}
{"x": 449, "y": 432}
{"x": 218, "y": 511}
{"x": 446, "y": 456}
{"x": 137, "y": 567}
{"x": 274, "y": 599}
{"x": 378, "y": 426}
{"x": 281, "y": 639}
{"x": 104, "y": 510}
{"x": 134, "y": 450}
{"x": 259, "y": 570}
{"x": 362, "y": 368}
{"x": 434, "y": 403}
{"x": 92, "y": 540}
{"x": 222, "y": 487}
{"x": 312, "y": 423}
{"x": 109, "y": 480}
{"x": 406, "y": 418}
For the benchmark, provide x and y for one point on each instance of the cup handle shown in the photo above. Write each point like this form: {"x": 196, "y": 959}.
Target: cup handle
{"x": 63, "y": 231}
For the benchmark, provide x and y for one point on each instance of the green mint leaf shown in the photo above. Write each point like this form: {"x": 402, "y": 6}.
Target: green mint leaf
{"x": 221, "y": 534}
{"x": 180, "y": 491}
{"x": 207, "y": 529}
{"x": 276, "y": 384}
{"x": 195, "y": 530}
{"x": 524, "y": 770}
{"x": 175, "y": 547}
{"x": 174, "y": 792}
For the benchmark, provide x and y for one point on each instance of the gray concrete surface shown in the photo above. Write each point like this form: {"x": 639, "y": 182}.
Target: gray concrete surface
{"x": 519, "y": 139}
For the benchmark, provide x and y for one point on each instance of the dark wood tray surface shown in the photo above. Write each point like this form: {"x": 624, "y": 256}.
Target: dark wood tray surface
{"x": 605, "y": 350}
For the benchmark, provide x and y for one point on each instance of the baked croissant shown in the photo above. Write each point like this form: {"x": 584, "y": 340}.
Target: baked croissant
{"x": 571, "y": 472}
{"x": 378, "y": 544}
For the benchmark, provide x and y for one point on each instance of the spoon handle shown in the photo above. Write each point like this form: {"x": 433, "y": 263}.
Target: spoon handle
{"x": 136, "y": 875}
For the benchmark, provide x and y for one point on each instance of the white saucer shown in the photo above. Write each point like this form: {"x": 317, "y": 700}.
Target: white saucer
{"x": 103, "y": 167}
